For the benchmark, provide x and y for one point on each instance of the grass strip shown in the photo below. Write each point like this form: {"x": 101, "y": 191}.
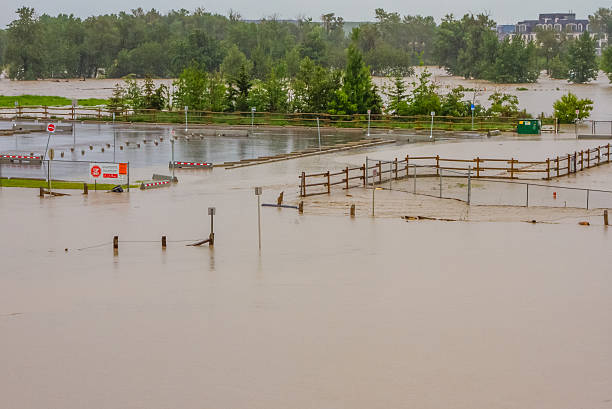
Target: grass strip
{"x": 55, "y": 184}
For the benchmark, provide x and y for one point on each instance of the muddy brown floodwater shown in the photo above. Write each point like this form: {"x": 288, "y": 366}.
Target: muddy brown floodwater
{"x": 535, "y": 98}
{"x": 333, "y": 313}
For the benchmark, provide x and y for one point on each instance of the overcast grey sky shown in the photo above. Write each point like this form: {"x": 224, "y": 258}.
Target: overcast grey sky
{"x": 506, "y": 12}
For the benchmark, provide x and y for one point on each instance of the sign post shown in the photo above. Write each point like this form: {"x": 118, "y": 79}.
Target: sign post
{"x": 50, "y": 130}
{"x": 472, "y": 107}
{"x": 576, "y": 123}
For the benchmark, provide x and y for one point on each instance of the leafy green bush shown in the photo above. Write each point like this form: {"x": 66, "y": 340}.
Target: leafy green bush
{"x": 565, "y": 108}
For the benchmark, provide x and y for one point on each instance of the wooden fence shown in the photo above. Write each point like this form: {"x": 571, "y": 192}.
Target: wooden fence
{"x": 478, "y": 167}
{"x": 481, "y": 123}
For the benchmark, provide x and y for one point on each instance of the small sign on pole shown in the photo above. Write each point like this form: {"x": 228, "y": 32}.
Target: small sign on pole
{"x": 51, "y": 128}
{"x": 472, "y": 107}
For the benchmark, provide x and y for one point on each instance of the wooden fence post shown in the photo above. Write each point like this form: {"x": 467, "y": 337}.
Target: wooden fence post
{"x": 303, "y": 185}
{"x": 547, "y": 168}
{"x": 608, "y": 153}
{"x": 363, "y": 167}
{"x": 598, "y": 155}
{"x": 328, "y": 185}
{"x": 588, "y": 157}
{"x": 46, "y": 112}
{"x": 73, "y": 114}
{"x": 569, "y": 166}
{"x": 347, "y": 177}
{"x": 99, "y": 113}
{"x": 477, "y": 167}
{"x": 557, "y": 166}
{"x": 581, "y": 160}
{"x": 380, "y": 172}
{"x": 512, "y": 168}
{"x": 395, "y": 168}
{"x": 407, "y": 166}
{"x": 437, "y": 165}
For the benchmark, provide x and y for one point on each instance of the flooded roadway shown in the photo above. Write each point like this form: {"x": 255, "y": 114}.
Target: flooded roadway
{"x": 334, "y": 312}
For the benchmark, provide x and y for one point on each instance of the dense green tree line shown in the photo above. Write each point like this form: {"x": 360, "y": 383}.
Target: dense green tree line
{"x": 142, "y": 43}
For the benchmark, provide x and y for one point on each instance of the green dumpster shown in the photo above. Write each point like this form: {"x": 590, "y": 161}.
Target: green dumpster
{"x": 528, "y": 127}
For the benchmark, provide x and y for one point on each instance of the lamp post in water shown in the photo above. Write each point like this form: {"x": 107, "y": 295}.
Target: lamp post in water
{"x": 186, "y": 109}
{"x": 258, "y": 194}
{"x": 252, "y": 121}
{"x": 319, "y": 133}
{"x": 431, "y": 127}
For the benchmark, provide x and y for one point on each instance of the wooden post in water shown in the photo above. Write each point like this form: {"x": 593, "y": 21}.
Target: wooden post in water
{"x": 609, "y": 152}
{"x": 85, "y": 189}
{"x": 116, "y": 244}
{"x": 353, "y": 210}
{"x": 41, "y": 192}
{"x": 363, "y": 168}
{"x": 581, "y": 160}
{"x": 380, "y": 172}
{"x": 605, "y": 217}
{"x": 438, "y": 165}
{"x": 301, "y": 207}
{"x": 512, "y": 168}
{"x": 303, "y": 185}
{"x": 395, "y": 168}
{"x": 557, "y": 166}
{"x": 346, "y": 171}
{"x": 163, "y": 242}
{"x": 569, "y": 165}
{"x": 547, "y": 168}
{"x": 477, "y": 167}
{"x": 328, "y": 184}
{"x": 598, "y": 155}
{"x": 407, "y": 169}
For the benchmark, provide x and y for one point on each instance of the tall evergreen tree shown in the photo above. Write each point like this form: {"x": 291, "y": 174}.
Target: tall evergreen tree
{"x": 582, "y": 59}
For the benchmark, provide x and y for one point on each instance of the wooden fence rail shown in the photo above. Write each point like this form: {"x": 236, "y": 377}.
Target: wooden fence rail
{"x": 482, "y": 123}
{"x": 479, "y": 167}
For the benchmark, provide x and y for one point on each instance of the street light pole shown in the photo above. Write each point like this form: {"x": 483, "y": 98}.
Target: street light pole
{"x": 431, "y": 128}
{"x": 319, "y": 133}
{"x": 186, "y": 109}
{"x": 252, "y": 121}
{"x": 258, "y": 194}
{"x": 172, "y": 143}
{"x": 114, "y": 140}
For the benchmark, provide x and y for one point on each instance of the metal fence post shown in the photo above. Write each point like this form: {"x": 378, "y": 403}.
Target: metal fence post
{"x": 469, "y": 192}
{"x": 587, "y": 199}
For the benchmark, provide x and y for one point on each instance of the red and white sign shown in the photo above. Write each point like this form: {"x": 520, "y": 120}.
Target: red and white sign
{"x": 108, "y": 173}
{"x": 51, "y": 128}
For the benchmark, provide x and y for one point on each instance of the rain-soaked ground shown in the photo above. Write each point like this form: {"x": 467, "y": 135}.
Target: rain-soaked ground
{"x": 334, "y": 312}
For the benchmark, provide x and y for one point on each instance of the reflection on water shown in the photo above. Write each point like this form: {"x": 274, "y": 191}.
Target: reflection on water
{"x": 216, "y": 149}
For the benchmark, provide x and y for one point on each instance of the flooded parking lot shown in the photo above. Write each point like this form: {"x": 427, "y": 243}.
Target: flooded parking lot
{"x": 334, "y": 312}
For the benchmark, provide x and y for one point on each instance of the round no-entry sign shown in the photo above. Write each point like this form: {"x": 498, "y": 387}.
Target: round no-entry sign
{"x": 96, "y": 171}
{"x": 51, "y": 128}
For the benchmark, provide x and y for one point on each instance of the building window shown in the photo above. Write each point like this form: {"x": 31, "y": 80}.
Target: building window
{"x": 580, "y": 27}
{"x": 558, "y": 27}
